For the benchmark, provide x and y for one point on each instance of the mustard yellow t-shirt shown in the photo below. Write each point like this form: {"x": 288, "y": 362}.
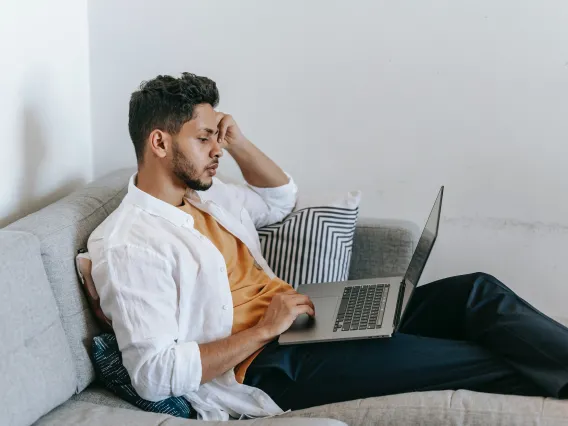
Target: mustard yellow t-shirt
{"x": 251, "y": 288}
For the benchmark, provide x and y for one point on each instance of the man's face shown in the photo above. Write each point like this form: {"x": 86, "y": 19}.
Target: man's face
{"x": 195, "y": 149}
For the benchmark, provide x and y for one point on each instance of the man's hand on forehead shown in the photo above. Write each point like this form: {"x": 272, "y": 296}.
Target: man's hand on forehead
{"x": 229, "y": 135}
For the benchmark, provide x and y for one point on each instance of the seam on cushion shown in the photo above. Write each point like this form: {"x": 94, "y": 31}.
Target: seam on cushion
{"x": 75, "y": 314}
{"x": 388, "y": 228}
{"x": 25, "y": 342}
{"x": 20, "y": 235}
{"x": 425, "y": 407}
{"x": 82, "y": 218}
{"x": 460, "y": 410}
{"x": 414, "y": 407}
{"x": 480, "y": 410}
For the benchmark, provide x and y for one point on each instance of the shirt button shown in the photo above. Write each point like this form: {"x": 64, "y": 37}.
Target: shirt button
{"x": 222, "y": 269}
{"x": 225, "y": 307}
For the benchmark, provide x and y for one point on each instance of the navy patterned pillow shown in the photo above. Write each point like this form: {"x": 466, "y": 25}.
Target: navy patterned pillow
{"x": 110, "y": 371}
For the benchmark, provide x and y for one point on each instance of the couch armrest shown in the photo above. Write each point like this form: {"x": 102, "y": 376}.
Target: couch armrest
{"x": 382, "y": 248}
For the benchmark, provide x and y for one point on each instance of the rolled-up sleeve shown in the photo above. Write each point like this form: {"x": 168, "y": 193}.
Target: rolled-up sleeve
{"x": 139, "y": 295}
{"x": 266, "y": 205}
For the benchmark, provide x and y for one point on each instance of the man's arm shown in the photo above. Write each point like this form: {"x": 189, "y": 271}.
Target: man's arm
{"x": 139, "y": 295}
{"x": 258, "y": 170}
{"x": 222, "y": 355}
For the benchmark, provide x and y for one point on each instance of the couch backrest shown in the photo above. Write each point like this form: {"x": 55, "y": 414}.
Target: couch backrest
{"x": 36, "y": 366}
{"x": 382, "y": 248}
{"x": 62, "y": 228}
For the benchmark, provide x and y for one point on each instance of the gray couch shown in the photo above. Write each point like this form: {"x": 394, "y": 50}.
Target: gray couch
{"x": 46, "y": 330}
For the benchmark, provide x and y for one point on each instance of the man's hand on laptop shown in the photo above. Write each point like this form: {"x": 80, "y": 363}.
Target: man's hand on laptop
{"x": 219, "y": 356}
{"x": 282, "y": 311}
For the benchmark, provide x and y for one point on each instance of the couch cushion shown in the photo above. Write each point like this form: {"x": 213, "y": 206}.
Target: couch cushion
{"x": 77, "y": 413}
{"x": 382, "y": 248}
{"x": 97, "y": 394}
{"x": 62, "y": 228}
{"x": 445, "y": 408}
{"x": 36, "y": 367}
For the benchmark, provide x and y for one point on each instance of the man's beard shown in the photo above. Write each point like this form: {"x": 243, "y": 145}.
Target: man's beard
{"x": 184, "y": 170}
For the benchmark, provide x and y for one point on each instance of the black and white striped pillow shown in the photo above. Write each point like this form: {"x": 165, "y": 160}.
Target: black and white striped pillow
{"x": 313, "y": 244}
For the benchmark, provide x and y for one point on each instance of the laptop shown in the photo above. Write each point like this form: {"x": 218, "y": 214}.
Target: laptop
{"x": 367, "y": 308}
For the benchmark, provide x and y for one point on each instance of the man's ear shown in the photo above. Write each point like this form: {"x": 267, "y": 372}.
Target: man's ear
{"x": 159, "y": 143}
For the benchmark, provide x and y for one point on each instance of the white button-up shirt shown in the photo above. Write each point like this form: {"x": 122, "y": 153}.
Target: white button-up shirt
{"x": 165, "y": 288}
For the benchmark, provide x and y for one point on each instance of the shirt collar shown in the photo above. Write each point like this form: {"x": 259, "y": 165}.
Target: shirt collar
{"x": 155, "y": 206}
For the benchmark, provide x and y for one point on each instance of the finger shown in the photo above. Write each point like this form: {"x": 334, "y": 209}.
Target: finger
{"x": 294, "y": 295}
{"x": 219, "y": 116}
{"x": 304, "y": 309}
{"x": 298, "y": 299}
{"x": 223, "y": 126}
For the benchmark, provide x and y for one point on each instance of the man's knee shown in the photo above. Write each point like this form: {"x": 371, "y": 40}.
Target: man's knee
{"x": 484, "y": 276}
{"x": 487, "y": 281}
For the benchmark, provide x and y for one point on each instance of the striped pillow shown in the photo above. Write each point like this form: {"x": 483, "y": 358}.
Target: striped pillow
{"x": 313, "y": 244}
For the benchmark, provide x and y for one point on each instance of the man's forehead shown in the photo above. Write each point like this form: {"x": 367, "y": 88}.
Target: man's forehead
{"x": 203, "y": 119}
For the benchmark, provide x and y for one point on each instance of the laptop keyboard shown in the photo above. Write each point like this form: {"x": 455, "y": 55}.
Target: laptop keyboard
{"x": 362, "y": 307}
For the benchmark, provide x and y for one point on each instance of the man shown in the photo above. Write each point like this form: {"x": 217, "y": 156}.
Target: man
{"x": 196, "y": 309}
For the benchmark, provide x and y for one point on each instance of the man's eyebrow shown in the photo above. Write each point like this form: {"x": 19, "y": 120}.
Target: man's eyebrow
{"x": 210, "y": 131}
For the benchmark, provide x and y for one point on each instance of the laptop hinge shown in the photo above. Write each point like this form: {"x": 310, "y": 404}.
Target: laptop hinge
{"x": 399, "y": 301}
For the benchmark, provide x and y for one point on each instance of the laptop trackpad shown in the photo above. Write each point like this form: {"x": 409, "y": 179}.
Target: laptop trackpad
{"x": 318, "y": 329}
{"x": 324, "y": 307}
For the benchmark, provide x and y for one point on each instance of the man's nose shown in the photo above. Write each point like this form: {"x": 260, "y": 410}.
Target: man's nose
{"x": 217, "y": 150}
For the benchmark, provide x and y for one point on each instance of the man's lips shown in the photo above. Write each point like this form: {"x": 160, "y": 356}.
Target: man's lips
{"x": 212, "y": 170}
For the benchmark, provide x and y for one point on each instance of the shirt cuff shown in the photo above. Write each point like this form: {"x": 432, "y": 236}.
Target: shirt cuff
{"x": 288, "y": 191}
{"x": 187, "y": 372}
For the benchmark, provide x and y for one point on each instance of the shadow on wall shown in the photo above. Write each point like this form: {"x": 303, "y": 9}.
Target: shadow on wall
{"x": 34, "y": 152}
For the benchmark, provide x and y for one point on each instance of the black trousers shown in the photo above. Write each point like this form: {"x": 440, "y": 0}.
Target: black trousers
{"x": 466, "y": 332}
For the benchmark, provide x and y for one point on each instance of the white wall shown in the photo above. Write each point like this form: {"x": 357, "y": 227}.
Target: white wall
{"x": 394, "y": 98}
{"x": 44, "y": 104}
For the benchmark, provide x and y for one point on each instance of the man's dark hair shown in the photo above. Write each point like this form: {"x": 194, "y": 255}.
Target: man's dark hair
{"x": 166, "y": 103}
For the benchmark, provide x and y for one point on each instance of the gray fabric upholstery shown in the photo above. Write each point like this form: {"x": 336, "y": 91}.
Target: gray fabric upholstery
{"x": 381, "y": 248}
{"x": 99, "y": 395}
{"x": 445, "y": 408}
{"x": 36, "y": 366}
{"x": 79, "y": 413}
{"x": 62, "y": 228}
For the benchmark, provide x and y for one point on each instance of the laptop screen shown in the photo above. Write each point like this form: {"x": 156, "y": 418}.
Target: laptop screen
{"x": 423, "y": 249}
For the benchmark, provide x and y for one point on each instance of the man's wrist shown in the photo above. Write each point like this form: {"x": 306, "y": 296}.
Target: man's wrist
{"x": 262, "y": 334}
{"x": 239, "y": 148}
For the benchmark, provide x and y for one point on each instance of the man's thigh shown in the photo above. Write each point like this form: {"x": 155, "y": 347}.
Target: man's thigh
{"x": 300, "y": 376}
